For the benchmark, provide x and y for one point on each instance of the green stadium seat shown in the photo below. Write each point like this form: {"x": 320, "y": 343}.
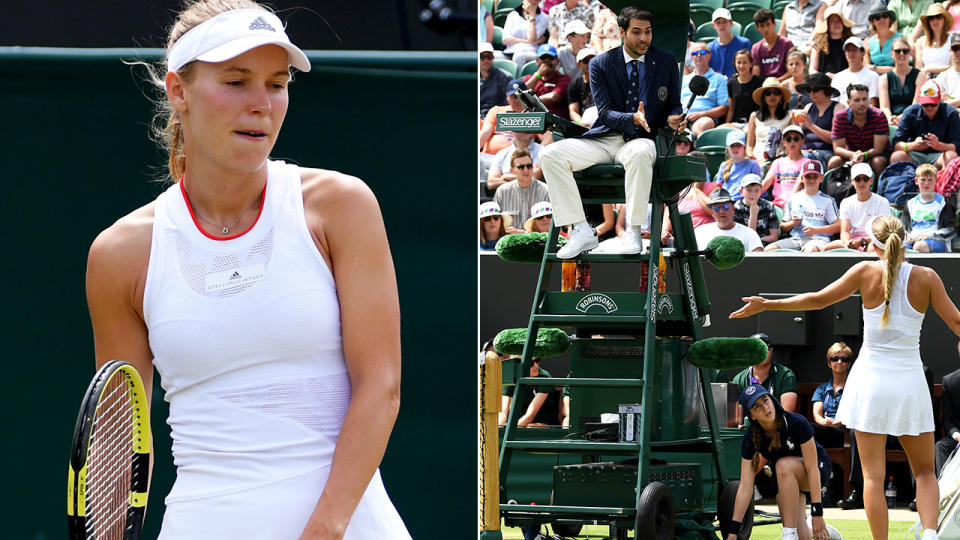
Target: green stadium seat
{"x": 743, "y": 13}
{"x": 529, "y": 68}
{"x": 706, "y": 33}
{"x": 716, "y": 137}
{"x": 778, "y": 9}
{"x": 750, "y": 31}
{"x": 498, "y": 38}
{"x": 507, "y": 65}
{"x": 488, "y": 4}
{"x": 508, "y": 4}
{"x": 500, "y": 16}
{"x": 700, "y": 14}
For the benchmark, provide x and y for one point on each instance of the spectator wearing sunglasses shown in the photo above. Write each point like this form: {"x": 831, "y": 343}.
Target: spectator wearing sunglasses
{"x": 721, "y": 204}
{"x": 933, "y": 48}
{"x": 897, "y": 88}
{"x": 493, "y": 81}
{"x": 860, "y": 132}
{"x": 949, "y": 80}
{"x": 540, "y": 215}
{"x": 858, "y": 209}
{"x": 929, "y": 131}
{"x": 493, "y": 225}
{"x": 500, "y": 170}
{"x": 880, "y": 45}
{"x": 784, "y": 173}
{"x": 709, "y": 110}
{"x": 826, "y": 398}
{"x": 516, "y": 198}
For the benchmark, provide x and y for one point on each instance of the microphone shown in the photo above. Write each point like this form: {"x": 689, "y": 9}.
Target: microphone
{"x": 698, "y": 87}
{"x": 549, "y": 342}
{"x": 727, "y": 353}
{"x": 723, "y": 252}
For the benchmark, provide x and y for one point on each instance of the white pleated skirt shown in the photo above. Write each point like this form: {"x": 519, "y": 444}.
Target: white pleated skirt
{"x": 279, "y": 511}
{"x": 888, "y": 394}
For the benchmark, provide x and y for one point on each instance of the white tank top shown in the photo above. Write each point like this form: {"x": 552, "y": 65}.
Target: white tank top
{"x": 245, "y": 334}
{"x": 901, "y": 336}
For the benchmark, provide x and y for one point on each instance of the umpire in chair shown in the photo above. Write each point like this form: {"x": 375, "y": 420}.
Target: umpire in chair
{"x": 636, "y": 88}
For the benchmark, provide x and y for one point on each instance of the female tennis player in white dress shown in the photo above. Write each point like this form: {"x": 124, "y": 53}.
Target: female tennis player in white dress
{"x": 265, "y": 295}
{"x": 886, "y": 393}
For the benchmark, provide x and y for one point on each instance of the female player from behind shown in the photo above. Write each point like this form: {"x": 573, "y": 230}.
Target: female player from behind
{"x": 265, "y": 295}
{"x": 885, "y": 393}
{"x": 800, "y": 465}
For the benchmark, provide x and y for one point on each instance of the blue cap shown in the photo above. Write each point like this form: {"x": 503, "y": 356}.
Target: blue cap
{"x": 514, "y": 85}
{"x": 750, "y": 395}
{"x": 546, "y": 49}
{"x": 736, "y": 137}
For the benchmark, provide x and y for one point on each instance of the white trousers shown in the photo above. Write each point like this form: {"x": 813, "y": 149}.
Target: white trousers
{"x": 560, "y": 159}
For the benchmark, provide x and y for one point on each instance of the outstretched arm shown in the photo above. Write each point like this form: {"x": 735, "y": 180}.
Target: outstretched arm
{"x": 829, "y": 295}
{"x": 942, "y": 304}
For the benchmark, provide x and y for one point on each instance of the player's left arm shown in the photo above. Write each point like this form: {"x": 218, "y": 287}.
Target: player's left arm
{"x": 842, "y": 288}
{"x": 345, "y": 221}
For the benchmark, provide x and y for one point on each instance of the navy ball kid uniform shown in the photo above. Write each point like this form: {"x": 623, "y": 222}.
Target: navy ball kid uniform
{"x": 793, "y": 434}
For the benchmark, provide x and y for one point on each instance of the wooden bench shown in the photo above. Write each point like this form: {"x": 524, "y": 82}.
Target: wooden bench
{"x": 841, "y": 455}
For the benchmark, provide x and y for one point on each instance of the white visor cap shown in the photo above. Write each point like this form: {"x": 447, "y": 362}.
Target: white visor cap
{"x": 231, "y": 34}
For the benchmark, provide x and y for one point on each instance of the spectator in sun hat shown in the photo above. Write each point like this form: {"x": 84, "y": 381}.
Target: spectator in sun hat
{"x": 880, "y": 45}
{"x": 493, "y": 81}
{"x": 908, "y": 16}
{"x": 493, "y": 225}
{"x": 827, "y": 55}
{"x": 721, "y": 204}
{"x": 725, "y": 46}
{"x": 548, "y": 83}
{"x": 929, "y": 130}
{"x": 755, "y": 212}
{"x": 817, "y": 117}
{"x": 578, "y": 37}
{"x": 933, "y": 47}
{"x": 539, "y": 220}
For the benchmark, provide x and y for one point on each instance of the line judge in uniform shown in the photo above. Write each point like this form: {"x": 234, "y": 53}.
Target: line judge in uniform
{"x": 636, "y": 88}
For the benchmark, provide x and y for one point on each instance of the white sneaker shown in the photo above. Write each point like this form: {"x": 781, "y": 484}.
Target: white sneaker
{"x": 581, "y": 239}
{"x": 791, "y": 535}
{"x": 632, "y": 241}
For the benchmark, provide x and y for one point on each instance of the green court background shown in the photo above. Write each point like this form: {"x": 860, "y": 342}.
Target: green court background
{"x": 76, "y": 156}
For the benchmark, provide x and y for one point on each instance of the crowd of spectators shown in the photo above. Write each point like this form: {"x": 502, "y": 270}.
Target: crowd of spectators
{"x": 843, "y": 83}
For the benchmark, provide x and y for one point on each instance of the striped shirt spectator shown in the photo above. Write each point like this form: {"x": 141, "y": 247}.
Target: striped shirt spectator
{"x": 859, "y": 138}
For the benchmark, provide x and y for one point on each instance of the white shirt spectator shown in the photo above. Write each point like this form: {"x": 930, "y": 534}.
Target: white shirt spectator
{"x": 865, "y": 76}
{"x": 708, "y": 231}
{"x": 860, "y": 212}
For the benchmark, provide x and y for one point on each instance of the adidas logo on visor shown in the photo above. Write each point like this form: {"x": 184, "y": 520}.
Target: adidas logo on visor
{"x": 260, "y": 24}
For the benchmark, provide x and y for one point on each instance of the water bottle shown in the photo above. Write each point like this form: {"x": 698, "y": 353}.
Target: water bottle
{"x": 891, "y": 493}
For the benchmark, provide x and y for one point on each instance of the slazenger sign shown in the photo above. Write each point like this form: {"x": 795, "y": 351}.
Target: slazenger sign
{"x": 603, "y": 301}
{"x": 511, "y": 122}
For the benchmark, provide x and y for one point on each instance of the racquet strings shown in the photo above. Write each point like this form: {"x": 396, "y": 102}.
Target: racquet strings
{"x": 110, "y": 462}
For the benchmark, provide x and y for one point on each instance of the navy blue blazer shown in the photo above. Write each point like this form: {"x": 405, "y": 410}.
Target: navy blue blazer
{"x": 608, "y": 82}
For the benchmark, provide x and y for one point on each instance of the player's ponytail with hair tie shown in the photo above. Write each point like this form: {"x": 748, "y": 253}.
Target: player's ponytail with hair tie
{"x": 889, "y": 231}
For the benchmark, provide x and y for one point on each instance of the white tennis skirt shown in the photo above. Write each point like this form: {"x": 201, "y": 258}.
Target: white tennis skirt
{"x": 886, "y": 393}
{"x": 279, "y": 511}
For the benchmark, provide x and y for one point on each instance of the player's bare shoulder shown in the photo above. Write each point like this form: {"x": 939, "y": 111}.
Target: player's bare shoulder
{"x": 332, "y": 190}
{"x": 122, "y": 250}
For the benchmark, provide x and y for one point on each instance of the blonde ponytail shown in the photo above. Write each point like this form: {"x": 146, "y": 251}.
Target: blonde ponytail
{"x": 889, "y": 231}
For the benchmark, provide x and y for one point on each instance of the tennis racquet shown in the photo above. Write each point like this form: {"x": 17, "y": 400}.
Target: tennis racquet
{"x": 110, "y": 457}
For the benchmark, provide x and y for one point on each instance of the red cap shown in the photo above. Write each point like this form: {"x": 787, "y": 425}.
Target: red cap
{"x": 929, "y": 93}
{"x": 811, "y": 166}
